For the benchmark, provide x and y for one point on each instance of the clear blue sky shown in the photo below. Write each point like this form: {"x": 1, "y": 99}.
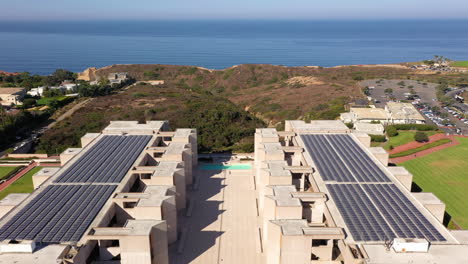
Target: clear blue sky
{"x": 231, "y": 9}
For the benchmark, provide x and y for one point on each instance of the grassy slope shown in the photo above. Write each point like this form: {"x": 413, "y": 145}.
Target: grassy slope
{"x": 444, "y": 174}
{"x": 4, "y": 171}
{"x": 22, "y": 185}
{"x": 263, "y": 91}
{"x": 403, "y": 138}
{"x": 460, "y": 64}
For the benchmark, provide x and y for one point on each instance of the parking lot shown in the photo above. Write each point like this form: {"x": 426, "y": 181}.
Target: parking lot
{"x": 400, "y": 90}
{"x": 423, "y": 96}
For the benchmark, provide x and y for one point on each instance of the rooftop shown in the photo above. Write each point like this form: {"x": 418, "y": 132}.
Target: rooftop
{"x": 317, "y": 126}
{"x": 370, "y": 113}
{"x": 11, "y": 90}
{"x": 403, "y": 111}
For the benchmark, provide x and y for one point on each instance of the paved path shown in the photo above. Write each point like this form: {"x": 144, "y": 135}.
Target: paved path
{"x": 427, "y": 151}
{"x": 415, "y": 144}
{"x": 223, "y": 227}
{"x": 69, "y": 112}
{"x": 20, "y": 174}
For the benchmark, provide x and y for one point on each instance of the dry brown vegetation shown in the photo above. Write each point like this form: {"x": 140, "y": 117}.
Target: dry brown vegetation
{"x": 235, "y": 95}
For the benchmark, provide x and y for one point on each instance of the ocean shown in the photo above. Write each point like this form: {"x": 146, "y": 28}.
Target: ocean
{"x": 42, "y": 47}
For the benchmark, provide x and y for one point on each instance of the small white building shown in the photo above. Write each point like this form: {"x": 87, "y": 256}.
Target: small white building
{"x": 368, "y": 128}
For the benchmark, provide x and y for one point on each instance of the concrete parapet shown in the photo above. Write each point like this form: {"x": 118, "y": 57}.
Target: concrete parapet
{"x": 403, "y": 176}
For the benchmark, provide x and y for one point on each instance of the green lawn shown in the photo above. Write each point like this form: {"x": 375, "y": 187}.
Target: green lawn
{"x": 421, "y": 148}
{"x": 403, "y": 138}
{"x": 460, "y": 64}
{"x": 22, "y": 185}
{"x": 47, "y": 100}
{"x": 444, "y": 173}
{"x": 5, "y": 171}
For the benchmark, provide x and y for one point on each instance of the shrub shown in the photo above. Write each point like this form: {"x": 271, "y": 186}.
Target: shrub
{"x": 421, "y": 137}
{"x": 418, "y": 127}
{"x": 378, "y": 138}
{"x": 392, "y": 131}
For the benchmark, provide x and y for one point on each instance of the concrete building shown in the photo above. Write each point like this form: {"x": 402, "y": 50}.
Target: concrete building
{"x": 14, "y": 95}
{"x": 368, "y": 128}
{"x": 326, "y": 196}
{"x": 117, "y": 77}
{"x": 365, "y": 115}
{"x": 404, "y": 113}
{"x": 115, "y": 200}
{"x": 394, "y": 113}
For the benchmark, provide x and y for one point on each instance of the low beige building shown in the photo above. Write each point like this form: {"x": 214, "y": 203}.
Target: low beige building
{"x": 404, "y": 113}
{"x": 368, "y": 128}
{"x": 115, "y": 200}
{"x": 13, "y": 95}
{"x": 393, "y": 113}
{"x": 365, "y": 115}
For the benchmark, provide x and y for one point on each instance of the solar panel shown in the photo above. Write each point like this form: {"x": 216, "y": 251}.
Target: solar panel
{"x": 107, "y": 161}
{"x": 379, "y": 212}
{"x": 358, "y": 161}
{"x": 328, "y": 163}
{"x": 60, "y": 213}
{"x": 361, "y": 217}
{"x": 339, "y": 158}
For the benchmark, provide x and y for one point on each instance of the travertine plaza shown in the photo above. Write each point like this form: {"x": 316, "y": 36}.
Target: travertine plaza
{"x": 314, "y": 193}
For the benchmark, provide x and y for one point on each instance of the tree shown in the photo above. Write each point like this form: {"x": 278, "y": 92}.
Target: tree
{"x": 392, "y": 131}
{"x": 421, "y": 137}
{"x": 29, "y": 102}
{"x": 388, "y": 90}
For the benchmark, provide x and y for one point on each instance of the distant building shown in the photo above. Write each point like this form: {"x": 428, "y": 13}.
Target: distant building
{"x": 12, "y": 95}
{"x": 117, "y": 77}
{"x": 357, "y": 114}
{"x": 393, "y": 113}
{"x": 36, "y": 91}
{"x": 65, "y": 87}
{"x": 404, "y": 113}
{"x": 368, "y": 128}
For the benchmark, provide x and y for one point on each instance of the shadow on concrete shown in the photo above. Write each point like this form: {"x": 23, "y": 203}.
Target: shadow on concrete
{"x": 201, "y": 237}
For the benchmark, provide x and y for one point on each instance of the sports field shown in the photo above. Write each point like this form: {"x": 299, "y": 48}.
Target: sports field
{"x": 459, "y": 64}
{"x": 22, "y": 185}
{"x": 444, "y": 173}
{"x": 5, "y": 171}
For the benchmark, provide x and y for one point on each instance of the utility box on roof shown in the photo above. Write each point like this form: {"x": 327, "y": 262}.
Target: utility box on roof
{"x": 402, "y": 245}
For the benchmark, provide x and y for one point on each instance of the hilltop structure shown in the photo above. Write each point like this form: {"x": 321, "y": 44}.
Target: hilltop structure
{"x": 115, "y": 199}
{"x": 326, "y": 196}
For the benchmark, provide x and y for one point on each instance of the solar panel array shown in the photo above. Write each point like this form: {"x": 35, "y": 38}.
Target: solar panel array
{"x": 339, "y": 158}
{"x": 64, "y": 210}
{"x": 107, "y": 161}
{"x": 379, "y": 212}
{"x": 373, "y": 208}
{"x": 60, "y": 213}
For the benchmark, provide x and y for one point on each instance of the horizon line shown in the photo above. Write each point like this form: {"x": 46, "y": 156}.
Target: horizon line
{"x": 234, "y": 19}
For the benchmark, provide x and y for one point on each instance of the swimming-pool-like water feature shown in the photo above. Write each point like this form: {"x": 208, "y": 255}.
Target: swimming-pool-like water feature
{"x": 225, "y": 167}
